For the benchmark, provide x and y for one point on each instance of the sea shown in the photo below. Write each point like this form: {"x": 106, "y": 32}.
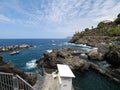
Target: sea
{"x": 25, "y": 60}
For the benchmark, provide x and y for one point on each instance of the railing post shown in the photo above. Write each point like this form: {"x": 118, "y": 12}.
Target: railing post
{"x": 15, "y": 83}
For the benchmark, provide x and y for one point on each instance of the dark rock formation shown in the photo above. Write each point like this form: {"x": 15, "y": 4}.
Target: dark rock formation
{"x": 63, "y": 56}
{"x": 92, "y": 40}
{"x": 113, "y": 58}
{"x": 102, "y": 42}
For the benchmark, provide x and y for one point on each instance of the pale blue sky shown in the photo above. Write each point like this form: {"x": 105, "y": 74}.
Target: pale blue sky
{"x": 53, "y": 18}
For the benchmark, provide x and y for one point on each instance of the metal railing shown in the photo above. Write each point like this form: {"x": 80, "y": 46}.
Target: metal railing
{"x": 8, "y": 81}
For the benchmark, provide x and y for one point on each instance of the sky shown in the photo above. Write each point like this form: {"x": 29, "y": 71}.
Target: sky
{"x": 53, "y": 18}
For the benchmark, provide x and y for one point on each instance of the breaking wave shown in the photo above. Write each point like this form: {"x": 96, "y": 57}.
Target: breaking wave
{"x": 31, "y": 64}
{"x": 49, "y": 51}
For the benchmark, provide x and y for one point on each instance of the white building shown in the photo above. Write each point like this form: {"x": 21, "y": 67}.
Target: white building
{"x": 65, "y": 76}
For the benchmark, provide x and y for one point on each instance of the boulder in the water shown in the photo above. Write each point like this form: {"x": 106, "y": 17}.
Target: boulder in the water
{"x": 113, "y": 58}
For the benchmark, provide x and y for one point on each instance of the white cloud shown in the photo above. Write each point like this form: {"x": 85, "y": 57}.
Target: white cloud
{"x": 5, "y": 19}
{"x": 64, "y": 15}
{"x": 63, "y": 11}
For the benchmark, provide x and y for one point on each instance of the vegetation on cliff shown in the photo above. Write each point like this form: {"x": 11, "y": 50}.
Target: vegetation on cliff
{"x": 104, "y": 37}
{"x": 104, "y": 28}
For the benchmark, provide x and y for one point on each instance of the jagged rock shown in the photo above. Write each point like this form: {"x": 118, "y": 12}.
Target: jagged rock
{"x": 113, "y": 58}
{"x": 63, "y": 56}
{"x": 95, "y": 55}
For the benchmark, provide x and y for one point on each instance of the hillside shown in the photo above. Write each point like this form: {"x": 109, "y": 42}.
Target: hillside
{"x": 105, "y": 29}
{"x": 106, "y": 37}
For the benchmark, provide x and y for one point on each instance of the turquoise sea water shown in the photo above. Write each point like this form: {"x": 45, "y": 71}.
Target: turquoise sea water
{"x": 25, "y": 61}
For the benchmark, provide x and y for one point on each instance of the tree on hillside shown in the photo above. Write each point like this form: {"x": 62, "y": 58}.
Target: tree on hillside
{"x": 117, "y": 20}
{"x": 118, "y": 15}
{"x": 101, "y": 25}
{"x": 86, "y": 29}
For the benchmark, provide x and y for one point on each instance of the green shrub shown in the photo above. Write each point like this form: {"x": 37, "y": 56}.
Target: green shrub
{"x": 101, "y": 25}
{"x": 118, "y": 15}
{"x": 86, "y": 29}
{"x": 117, "y": 21}
{"x": 115, "y": 31}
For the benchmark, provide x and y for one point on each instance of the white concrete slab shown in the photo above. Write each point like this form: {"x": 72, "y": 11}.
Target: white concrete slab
{"x": 65, "y": 71}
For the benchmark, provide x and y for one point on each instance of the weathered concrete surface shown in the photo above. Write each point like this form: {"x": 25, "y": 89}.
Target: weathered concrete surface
{"x": 47, "y": 82}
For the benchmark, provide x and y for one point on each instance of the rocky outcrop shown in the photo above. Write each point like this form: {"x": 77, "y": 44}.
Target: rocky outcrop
{"x": 16, "y": 47}
{"x": 101, "y": 42}
{"x": 92, "y": 40}
{"x": 68, "y": 56}
{"x": 113, "y": 58}
{"x": 63, "y": 56}
{"x": 95, "y": 55}
{"x": 10, "y": 68}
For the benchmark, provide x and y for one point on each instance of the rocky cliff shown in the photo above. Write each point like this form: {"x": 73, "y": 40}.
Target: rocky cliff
{"x": 104, "y": 36}
{"x": 63, "y": 56}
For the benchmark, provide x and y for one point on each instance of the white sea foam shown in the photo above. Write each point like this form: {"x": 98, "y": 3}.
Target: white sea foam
{"x": 83, "y": 55}
{"x": 31, "y": 64}
{"x": 76, "y": 45}
{"x": 95, "y": 48}
{"x": 53, "y": 44}
{"x": 53, "y": 40}
{"x": 49, "y": 51}
{"x": 35, "y": 46}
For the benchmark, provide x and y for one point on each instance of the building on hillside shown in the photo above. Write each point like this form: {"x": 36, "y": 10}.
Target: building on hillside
{"x": 106, "y": 21}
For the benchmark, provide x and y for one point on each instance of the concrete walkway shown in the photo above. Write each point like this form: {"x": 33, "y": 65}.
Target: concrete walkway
{"x": 39, "y": 82}
{"x": 46, "y": 82}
